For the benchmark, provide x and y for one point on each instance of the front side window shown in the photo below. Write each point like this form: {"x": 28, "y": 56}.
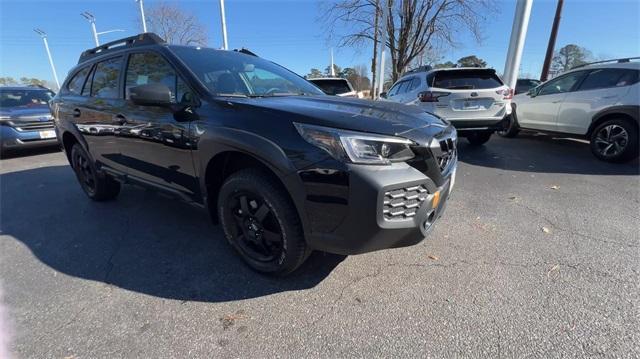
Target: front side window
{"x": 151, "y": 68}
{"x": 77, "y": 81}
{"x": 228, "y": 73}
{"x": 394, "y": 89}
{"x": 561, "y": 84}
{"x": 105, "y": 79}
{"x": 404, "y": 86}
{"x": 606, "y": 78}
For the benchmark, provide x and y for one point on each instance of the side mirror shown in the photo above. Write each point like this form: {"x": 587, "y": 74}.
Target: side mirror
{"x": 150, "y": 95}
{"x": 533, "y": 92}
{"x": 383, "y": 95}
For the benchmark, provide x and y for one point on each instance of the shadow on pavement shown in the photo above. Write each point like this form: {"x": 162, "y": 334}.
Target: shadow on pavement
{"x": 30, "y": 152}
{"x": 141, "y": 242}
{"x": 535, "y": 152}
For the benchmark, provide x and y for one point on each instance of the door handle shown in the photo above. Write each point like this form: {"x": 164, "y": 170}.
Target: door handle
{"x": 119, "y": 120}
{"x": 76, "y": 113}
{"x": 557, "y": 101}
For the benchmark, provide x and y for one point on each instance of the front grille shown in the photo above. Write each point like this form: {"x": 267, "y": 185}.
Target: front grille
{"x": 447, "y": 153}
{"x": 31, "y": 125}
{"x": 403, "y": 203}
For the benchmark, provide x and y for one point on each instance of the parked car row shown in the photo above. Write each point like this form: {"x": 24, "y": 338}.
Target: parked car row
{"x": 282, "y": 166}
{"x": 599, "y": 102}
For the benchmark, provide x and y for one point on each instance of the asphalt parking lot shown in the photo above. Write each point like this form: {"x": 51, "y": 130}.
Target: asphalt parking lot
{"x": 537, "y": 256}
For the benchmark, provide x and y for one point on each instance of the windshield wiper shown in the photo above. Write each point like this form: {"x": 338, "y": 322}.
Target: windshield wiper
{"x": 231, "y": 95}
{"x": 281, "y": 94}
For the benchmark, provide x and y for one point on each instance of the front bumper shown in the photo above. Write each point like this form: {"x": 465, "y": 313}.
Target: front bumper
{"x": 371, "y": 223}
{"x": 11, "y": 138}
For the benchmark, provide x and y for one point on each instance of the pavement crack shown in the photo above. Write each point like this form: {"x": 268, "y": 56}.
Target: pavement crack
{"x": 560, "y": 228}
{"x": 339, "y": 298}
{"x": 114, "y": 252}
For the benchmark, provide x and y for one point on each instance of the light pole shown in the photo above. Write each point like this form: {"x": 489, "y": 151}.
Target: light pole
{"x": 516, "y": 43}
{"x": 144, "y": 21}
{"x": 223, "y": 20}
{"x": 43, "y": 35}
{"x": 383, "y": 47}
{"x": 92, "y": 19}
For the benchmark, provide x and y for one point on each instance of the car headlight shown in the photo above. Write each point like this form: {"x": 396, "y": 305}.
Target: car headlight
{"x": 357, "y": 147}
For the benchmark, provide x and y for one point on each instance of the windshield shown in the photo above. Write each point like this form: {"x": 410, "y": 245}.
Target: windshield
{"x": 24, "y": 98}
{"x": 332, "y": 86}
{"x": 228, "y": 73}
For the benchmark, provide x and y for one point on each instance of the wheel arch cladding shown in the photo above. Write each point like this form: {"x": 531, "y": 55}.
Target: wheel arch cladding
{"x": 629, "y": 113}
{"x": 230, "y": 161}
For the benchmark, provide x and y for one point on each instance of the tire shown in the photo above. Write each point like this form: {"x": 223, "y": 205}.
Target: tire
{"x": 512, "y": 128}
{"x": 478, "y": 138}
{"x": 96, "y": 185}
{"x": 615, "y": 140}
{"x": 261, "y": 223}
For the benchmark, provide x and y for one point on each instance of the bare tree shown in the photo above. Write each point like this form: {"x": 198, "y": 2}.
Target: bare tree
{"x": 175, "y": 25}
{"x": 414, "y": 27}
{"x": 570, "y": 56}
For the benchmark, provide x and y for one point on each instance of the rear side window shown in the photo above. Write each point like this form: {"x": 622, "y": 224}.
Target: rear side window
{"x": 606, "y": 78}
{"x": 75, "y": 84}
{"x": 105, "y": 78}
{"x": 466, "y": 80}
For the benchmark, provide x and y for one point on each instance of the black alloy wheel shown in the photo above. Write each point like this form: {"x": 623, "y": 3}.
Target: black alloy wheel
{"x": 256, "y": 229}
{"x": 96, "y": 185}
{"x": 261, "y": 222}
{"x": 84, "y": 170}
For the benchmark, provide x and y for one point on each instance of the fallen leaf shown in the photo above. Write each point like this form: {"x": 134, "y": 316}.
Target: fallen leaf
{"x": 545, "y": 230}
{"x": 431, "y": 256}
{"x": 553, "y": 269}
{"x": 513, "y": 198}
{"x": 555, "y": 187}
{"x": 230, "y": 319}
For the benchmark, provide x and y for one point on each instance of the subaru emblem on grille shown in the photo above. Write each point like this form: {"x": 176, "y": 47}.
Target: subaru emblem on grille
{"x": 444, "y": 150}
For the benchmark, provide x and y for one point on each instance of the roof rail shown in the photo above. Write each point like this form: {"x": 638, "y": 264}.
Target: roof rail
{"x": 147, "y": 38}
{"x": 622, "y": 60}
{"x": 246, "y": 52}
{"x": 419, "y": 69}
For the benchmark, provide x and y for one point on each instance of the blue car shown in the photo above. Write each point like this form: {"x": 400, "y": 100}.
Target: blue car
{"x": 25, "y": 119}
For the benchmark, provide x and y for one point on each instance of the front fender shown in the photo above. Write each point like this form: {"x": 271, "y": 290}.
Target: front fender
{"x": 216, "y": 140}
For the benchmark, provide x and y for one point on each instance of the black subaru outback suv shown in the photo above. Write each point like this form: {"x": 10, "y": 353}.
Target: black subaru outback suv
{"x": 284, "y": 168}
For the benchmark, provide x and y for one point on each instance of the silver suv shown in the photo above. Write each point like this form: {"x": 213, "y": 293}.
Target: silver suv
{"x": 598, "y": 101}
{"x": 474, "y": 100}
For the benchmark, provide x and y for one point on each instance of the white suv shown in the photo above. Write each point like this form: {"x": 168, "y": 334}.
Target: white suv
{"x": 599, "y": 102}
{"x": 474, "y": 100}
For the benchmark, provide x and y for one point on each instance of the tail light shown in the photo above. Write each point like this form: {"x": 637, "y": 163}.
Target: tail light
{"x": 506, "y": 93}
{"x": 431, "y": 96}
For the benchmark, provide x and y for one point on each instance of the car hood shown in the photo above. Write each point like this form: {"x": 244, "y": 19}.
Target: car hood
{"x": 388, "y": 118}
{"x": 17, "y": 113}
